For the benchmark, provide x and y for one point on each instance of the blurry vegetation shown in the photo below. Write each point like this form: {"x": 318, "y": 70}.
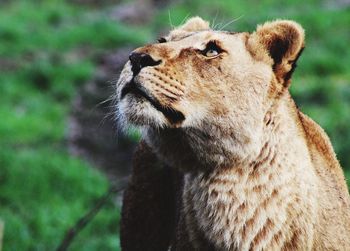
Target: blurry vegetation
{"x": 48, "y": 49}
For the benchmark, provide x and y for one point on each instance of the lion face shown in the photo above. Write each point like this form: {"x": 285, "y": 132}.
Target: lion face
{"x": 214, "y": 83}
{"x": 198, "y": 76}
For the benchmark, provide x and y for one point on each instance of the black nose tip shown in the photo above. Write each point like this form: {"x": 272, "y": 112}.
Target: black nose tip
{"x": 141, "y": 60}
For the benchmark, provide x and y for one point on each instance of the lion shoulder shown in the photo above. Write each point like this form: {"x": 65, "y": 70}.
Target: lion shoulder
{"x": 322, "y": 154}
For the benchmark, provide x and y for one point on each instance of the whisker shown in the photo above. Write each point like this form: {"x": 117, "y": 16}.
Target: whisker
{"x": 234, "y": 20}
{"x": 109, "y": 99}
{"x": 217, "y": 25}
{"x": 170, "y": 22}
{"x": 214, "y": 20}
{"x": 185, "y": 19}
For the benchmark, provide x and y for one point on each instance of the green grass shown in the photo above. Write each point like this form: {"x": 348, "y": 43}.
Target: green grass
{"x": 48, "y": 49}
{"x": 45, "y": 193}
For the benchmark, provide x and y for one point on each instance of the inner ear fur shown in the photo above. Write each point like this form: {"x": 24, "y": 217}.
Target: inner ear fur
{"x": 279, "y": 43}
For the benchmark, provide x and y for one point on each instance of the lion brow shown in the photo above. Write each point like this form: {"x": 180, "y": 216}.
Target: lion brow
{"x": 185, "y": 36}
{"x": 230, "y": 32}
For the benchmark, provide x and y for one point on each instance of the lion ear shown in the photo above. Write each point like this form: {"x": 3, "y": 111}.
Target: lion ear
{"x": 195, "y": 24}
{"x": 283, "y": 40}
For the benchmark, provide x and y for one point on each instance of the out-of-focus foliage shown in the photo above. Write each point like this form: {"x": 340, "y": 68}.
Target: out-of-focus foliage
{"x": 43, "y": 192}
{"x": 48, "y": 48}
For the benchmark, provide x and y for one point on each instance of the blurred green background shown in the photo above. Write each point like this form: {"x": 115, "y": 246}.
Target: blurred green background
{"x": 50, "y": 49}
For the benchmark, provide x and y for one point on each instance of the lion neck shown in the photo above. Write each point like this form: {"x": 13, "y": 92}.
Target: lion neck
{"x": 248, "y": 205}
{"x": 198, "y": 150}
{"x": 238, "y": 200}
{"x": 209, "y": 147}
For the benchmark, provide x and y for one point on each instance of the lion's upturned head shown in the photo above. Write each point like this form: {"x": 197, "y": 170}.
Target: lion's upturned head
{"x": 212, "y": 89}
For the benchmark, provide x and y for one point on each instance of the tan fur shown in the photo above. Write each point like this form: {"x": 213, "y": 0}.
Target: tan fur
{"x": 257, "y": 173}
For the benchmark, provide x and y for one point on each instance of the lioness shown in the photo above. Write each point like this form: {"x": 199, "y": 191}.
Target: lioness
{"x": 227, "y": 161}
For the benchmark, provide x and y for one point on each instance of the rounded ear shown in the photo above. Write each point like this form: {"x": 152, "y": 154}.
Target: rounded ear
{"x": 280, "y": 40}
{"x": 192, "y": 25}
{"x": 195, "y": 24}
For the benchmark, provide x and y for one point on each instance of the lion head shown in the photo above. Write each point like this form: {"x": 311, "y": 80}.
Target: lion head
{"x": 202, "y": 95}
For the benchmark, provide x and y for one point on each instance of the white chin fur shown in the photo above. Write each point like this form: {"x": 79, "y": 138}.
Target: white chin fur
{"x": 139, "y": 112}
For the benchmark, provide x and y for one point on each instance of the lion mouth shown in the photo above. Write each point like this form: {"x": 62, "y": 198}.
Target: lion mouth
{"x": 172, "y": 115}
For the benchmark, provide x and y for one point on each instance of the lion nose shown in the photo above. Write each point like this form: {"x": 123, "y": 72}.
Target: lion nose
{"x": 141, "y": 60}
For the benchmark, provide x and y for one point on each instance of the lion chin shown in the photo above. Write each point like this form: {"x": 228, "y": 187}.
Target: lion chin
{"x": 226, "y": 160}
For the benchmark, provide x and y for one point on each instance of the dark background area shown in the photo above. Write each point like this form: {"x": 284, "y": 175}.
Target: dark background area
{"x": 60, "y": 149}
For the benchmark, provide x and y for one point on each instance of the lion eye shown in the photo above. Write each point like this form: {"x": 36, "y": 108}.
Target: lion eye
{"x": 211, "y": 53}
{"x": 212, "y": 50}
{"x": 161, "y": 40}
